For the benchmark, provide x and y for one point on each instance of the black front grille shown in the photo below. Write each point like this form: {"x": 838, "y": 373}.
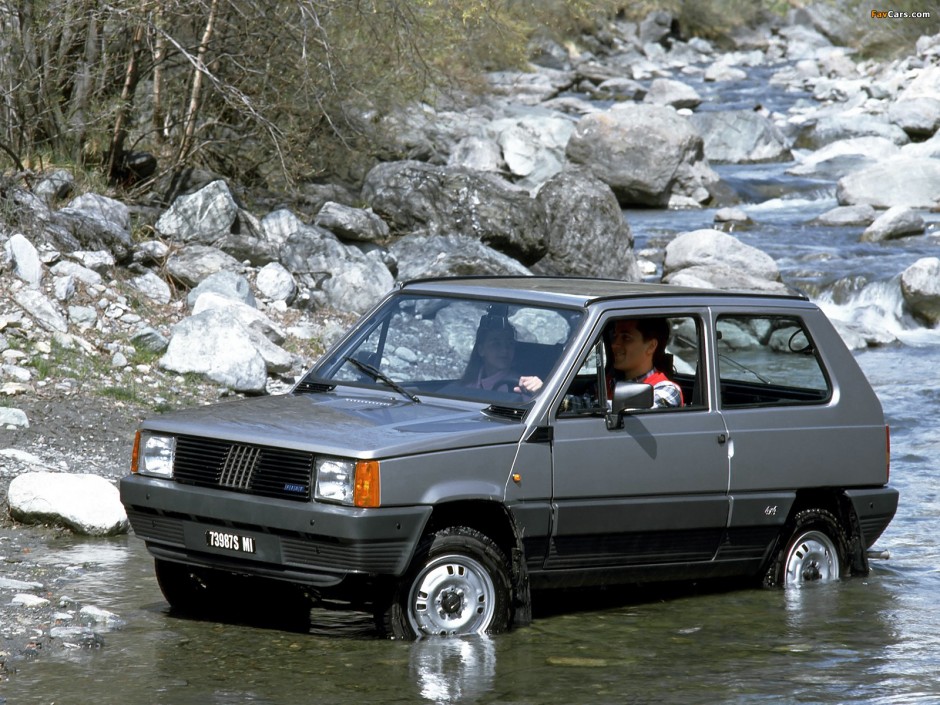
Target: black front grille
{"x": 240, "y": 467}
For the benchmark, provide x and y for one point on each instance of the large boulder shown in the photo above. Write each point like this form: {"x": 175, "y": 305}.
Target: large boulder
{"x": 216, "y": 344}
{"x": 532, "y": 145}
{"x": 191, "y": 264}
{"x": 587, "y": 233}
{"x": 351, "y": 223}
{"x": 95, "y": 222}
{"x": 900, "y": 181}
{"x": 333, "y": 275}
{"x": 668, "y": 91}
{"x": 449, "y": 256}
{"x": 648, "y": 154}
{"x": 920, "y": 286}
{"x": 844, "y": 125}
{"x": 712, "y": 259}
{"x": 201, "y": 217}
{"x": 437, "y": 200}
{"x": 898, "y": 221}
{"x": 87, "y": 504}
{"x": 740, "y": 136}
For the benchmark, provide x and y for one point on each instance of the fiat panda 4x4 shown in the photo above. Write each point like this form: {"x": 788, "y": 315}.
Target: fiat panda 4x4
{"x": 401, "y": 477}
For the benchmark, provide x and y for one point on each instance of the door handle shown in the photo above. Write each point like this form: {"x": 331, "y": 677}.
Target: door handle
{"x": 722, "y": 438}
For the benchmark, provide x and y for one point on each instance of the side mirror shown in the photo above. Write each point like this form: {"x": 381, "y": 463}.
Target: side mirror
{"x": 628, "y": 395}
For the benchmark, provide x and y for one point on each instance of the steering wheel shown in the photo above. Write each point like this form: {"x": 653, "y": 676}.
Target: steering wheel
{"x": 509, "y": 382}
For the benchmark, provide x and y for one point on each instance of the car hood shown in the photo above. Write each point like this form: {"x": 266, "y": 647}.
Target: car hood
{"x": 353, "y": 424}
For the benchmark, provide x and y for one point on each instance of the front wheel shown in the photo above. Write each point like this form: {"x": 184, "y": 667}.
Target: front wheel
{"x": 814, "y": 552}
{"x": 458, "y": 584}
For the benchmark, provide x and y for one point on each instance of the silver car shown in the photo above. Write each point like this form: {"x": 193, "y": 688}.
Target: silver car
{"x": 471, "y": 440}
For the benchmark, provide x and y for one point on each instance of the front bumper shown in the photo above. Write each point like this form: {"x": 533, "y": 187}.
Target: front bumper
{"x": 306, "y": 542}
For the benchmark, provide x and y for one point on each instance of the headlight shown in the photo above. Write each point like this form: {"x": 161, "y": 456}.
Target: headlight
{"x": 155, "y": 455}
{"x": 349, "y": 482}
{"x": 335, "y": 479}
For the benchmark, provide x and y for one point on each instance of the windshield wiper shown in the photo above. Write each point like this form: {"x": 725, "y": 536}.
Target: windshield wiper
{"x": 381, "y": 377}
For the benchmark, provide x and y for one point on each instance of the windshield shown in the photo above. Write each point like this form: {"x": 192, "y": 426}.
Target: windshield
{"x": 492, "y": 351}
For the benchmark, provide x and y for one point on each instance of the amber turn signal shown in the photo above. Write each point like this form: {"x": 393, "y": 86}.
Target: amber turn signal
{"x": 367, "y": 490}
{"x": 135, "y": 453}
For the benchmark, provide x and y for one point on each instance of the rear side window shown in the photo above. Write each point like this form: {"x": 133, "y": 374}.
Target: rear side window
{"x": 768, "y": 361}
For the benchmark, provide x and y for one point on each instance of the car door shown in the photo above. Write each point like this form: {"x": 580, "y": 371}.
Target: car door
{"x": 653, "y": 492}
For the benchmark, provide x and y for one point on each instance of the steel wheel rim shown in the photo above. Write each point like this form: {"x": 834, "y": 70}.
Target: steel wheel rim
{"x": 452, "y": 595}
{"x": 811, "y": 558}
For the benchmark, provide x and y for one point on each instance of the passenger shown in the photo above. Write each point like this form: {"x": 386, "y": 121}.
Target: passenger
{"x": 491, "y": 359}
{"x": 638, "y": 354}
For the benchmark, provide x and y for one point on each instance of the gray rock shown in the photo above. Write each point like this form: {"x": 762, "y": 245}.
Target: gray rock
{"x": 587, "y": 233}
{"x": 88, "y": 504}
{"x": 331, "y": 274}
{"x": 350, "y": 223}
{"x": 193, "y": 263}
{"x": 530, "y": 88}
{"x": 449, "y": 255}
{"x": 201, "y": 217}
{"x": 153, "y": 286}
{"x": 668, "y": 91}
{"x": 920, "y": 286}
{"x": 84, "y": 317}
{"x": 275, "y": 283}
{"x": 415, "y": 196}
{"x": 246, "y": 314}
{"x": 839, "y": 126}
{"x": 150, "y": 339}
{"x": 713, "y": 259}
{"x": 848, "y": 215}
{"x": 15, "y": 418}
{"x": 214, "y": 343}
{"x": 55, "y": 186}
{"x": 533, "y": 146}
{"x": 740, "y": 136}
{"x": 43, "y": 311}
{"x": 477, "y": 153}
{"x": 721, "y": 71}
{"x": 841, "y": 157}
{"x": 655, "y": 27}
{"x": 280, "y": 224}
{"x": 88, "y": 230}
{"x": 918, "y": 117}
{"x": 102, "y": 208}
{"x": 901, "y": 181}
{"x": 64, "y": 287}
{"x": 87, "y": 276}
{"x": 25, "y": 258}
{"x": 100, "y": 261}
{"x": 226, "y": 284}
{"x": 646, "y": 153}
{"x": 895, "y": 222}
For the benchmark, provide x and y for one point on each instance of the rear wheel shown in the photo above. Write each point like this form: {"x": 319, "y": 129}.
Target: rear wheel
{"x": 458, "y": 584}
{"x": 815, "y": 551}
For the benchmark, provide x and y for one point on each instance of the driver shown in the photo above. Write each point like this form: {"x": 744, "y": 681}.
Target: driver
{"x": 491, "y": 359}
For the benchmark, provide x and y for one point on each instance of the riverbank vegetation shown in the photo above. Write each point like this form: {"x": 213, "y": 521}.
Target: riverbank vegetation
{"x": 274, "y": 93}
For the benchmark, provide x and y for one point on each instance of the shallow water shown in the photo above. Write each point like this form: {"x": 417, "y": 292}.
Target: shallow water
{"x": 862, "y": 640}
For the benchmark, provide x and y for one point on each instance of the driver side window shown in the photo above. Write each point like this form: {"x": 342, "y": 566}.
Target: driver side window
{"x": 661, "y": 351}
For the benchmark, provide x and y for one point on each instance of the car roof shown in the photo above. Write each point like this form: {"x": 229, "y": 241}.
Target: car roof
{"x": 572, "y": 291}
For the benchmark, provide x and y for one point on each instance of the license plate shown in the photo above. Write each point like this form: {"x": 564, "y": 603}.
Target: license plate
{"x": 230, "y": 542}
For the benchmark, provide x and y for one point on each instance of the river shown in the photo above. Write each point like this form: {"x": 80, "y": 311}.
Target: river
{"x": 861, "y": 640}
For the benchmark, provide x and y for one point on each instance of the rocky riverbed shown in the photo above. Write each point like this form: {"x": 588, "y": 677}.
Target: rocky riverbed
{"x": 111, "y": 311}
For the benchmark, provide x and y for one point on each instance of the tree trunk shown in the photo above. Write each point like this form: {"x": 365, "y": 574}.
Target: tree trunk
{"x": 195, "y": 96}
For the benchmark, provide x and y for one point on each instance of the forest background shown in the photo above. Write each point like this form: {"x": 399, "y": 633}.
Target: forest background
{"x": 271, "y": 94}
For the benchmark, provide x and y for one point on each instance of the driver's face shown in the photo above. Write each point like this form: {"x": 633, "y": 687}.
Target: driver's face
{"x": 497, "y": 350}
{"x": 631, "y": 354}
